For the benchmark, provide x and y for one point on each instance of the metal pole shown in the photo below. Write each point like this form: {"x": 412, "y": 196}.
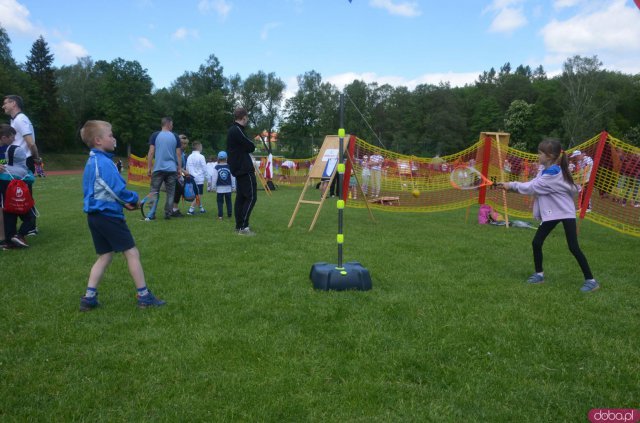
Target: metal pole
{"x": 340, "y": 204}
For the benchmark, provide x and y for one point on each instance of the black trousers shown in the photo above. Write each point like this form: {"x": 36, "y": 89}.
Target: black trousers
{"x": 246, "y": 197}
{"x": 571, "y": 234}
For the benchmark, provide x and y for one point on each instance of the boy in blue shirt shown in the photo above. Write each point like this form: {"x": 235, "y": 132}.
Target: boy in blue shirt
{"x": 105, "y": 195}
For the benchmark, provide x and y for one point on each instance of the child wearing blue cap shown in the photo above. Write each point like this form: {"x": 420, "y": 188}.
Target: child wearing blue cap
{"x": 224, "y": 183}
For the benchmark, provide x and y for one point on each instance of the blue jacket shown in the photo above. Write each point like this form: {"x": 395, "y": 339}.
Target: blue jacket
{"x": 106, "y": 192}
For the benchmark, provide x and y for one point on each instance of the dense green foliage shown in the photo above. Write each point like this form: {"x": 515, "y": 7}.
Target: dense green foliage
{"x": 449, "y": 332}
{"x": 581, "y": 101}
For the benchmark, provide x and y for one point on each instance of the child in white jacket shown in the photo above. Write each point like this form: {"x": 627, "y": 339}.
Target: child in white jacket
{"x": 197, "y": 168}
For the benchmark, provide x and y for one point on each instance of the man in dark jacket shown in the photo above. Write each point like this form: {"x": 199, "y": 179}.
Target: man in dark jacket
{"x": 239, "y": 147}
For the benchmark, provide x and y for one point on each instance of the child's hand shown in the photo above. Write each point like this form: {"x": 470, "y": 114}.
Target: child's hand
{"x": 131, "y": 206}
{"x": 503, "y": 185}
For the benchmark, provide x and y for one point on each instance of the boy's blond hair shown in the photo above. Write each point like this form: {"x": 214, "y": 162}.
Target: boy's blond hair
{"x": 93, "y": 129}
{"x": 197, "y": 145}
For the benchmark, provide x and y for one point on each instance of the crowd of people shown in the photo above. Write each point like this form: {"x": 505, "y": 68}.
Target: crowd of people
{"x": 233, "y": 170}
{"x": 105, "y": 195}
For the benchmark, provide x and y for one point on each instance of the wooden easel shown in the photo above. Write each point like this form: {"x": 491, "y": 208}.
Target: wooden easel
{"x": 329, "y": 150}
{"x": 260, "y": 177}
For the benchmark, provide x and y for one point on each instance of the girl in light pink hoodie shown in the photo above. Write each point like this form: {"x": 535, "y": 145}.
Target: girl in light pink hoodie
{"x": 553, "y": 190}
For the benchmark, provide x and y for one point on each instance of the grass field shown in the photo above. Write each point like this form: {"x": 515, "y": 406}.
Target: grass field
{"x": 448, "y": 333}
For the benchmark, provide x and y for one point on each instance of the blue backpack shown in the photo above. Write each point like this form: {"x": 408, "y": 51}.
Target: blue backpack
{"x": 189, "y": 190}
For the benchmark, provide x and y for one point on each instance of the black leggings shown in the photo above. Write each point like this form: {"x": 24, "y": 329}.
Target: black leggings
{"x": 571, "y": 233}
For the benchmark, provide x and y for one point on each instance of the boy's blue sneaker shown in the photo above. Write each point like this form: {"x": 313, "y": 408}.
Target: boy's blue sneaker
{"x": 88, "y": 303}
{"x": 535, "y": 278}
{"x": 590, "y": 286}
{"x": 149, "y": 300}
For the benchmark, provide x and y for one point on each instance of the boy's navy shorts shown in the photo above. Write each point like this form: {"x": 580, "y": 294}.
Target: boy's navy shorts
{"x": 109, "y": 233}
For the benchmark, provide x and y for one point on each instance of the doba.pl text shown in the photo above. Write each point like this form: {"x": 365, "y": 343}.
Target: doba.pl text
{"x": 620, "y": 415}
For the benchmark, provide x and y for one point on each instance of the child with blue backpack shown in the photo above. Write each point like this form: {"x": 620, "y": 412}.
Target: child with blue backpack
{"x": 105, "y": 195}
{"x": 224, "y": 183}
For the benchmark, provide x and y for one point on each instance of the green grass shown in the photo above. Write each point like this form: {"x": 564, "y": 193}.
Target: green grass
{"x": 449, "y": 331}
{"x": 61, "y": 161}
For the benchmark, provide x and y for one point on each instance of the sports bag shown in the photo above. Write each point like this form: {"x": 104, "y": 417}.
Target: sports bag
{"x": 17, "y": 198}
{"x": 189, "y": 190}
{"x": 484, "y": 214}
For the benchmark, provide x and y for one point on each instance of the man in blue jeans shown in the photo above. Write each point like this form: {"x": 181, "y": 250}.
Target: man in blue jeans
{"x": 164, "y": 163}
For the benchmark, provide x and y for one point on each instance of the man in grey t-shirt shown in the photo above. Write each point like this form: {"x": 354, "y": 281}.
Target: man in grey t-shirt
{"x": 164, "y": 164}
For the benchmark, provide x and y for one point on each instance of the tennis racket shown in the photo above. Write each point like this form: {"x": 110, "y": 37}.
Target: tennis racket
{"x": 467, "y": 177}
{"x": 148, "y": 206}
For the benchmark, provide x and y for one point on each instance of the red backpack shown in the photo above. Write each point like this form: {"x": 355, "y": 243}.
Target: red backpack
{"x": 17, "y": 197}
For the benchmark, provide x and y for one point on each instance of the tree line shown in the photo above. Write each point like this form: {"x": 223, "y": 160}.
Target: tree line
{"x": 429, "y": 120}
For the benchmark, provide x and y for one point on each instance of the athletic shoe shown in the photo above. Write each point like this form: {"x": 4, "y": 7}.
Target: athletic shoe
{"x": 202, "y": 210}
{"x": 6, "y": 245}
{"x": 167, "y": 216}
{"x": 219, "y": 217}
{"x": 149, "y": 219}
{"x": 191, "y": 211}
{"x": 590, "y": 286}
{"x": 33, "y": 232}
{"x": 19, "y": 241}
{"x": 149, "y": 300}
{"x": 177, "y": 213}
{"x": 535, "y": 278}
{"x": 246, "y": 232}
{"x": 88, "y": 303}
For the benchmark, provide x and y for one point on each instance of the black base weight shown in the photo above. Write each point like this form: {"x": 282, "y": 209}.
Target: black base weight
{"x": 328, "y": 277}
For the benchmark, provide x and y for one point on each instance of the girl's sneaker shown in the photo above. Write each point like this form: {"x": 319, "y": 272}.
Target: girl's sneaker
{"x": 590, "y": 286}
{"x": 202, "y": 210}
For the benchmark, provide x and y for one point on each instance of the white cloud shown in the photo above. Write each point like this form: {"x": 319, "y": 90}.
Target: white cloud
{"x": 221, "y": 7}
{"x": 15, "y": 17}
{"x": 264, "y": 34}
{"x": 508, "y": 20}
{"x": 455, "y": 79}
{"x": 143, "y": 43}
{"x": 184, "y": 33}
{"x": 612, "y": 31}
{"x": 401, "y": 8}
{"x": 68, "y": 53}
{"x": 509, "y": 15}
{"x": 563, "y": 4}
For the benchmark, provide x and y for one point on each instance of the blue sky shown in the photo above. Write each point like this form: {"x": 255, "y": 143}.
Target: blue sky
{"x": 401, "y": 42}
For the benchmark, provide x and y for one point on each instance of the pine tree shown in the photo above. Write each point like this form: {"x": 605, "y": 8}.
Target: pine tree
{"x": 41, "y": 104}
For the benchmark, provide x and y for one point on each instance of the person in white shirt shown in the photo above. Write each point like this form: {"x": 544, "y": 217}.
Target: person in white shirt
{"x": 211, "y": 167}
{"x": 197, "y": 169}
{"x": 25, "y": 138}
{"x": 376, "y": 161}
{"x": 583, "y": 165}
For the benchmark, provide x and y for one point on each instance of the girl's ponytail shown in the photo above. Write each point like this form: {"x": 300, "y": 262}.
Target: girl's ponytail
{"x": 552, "y": 148}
